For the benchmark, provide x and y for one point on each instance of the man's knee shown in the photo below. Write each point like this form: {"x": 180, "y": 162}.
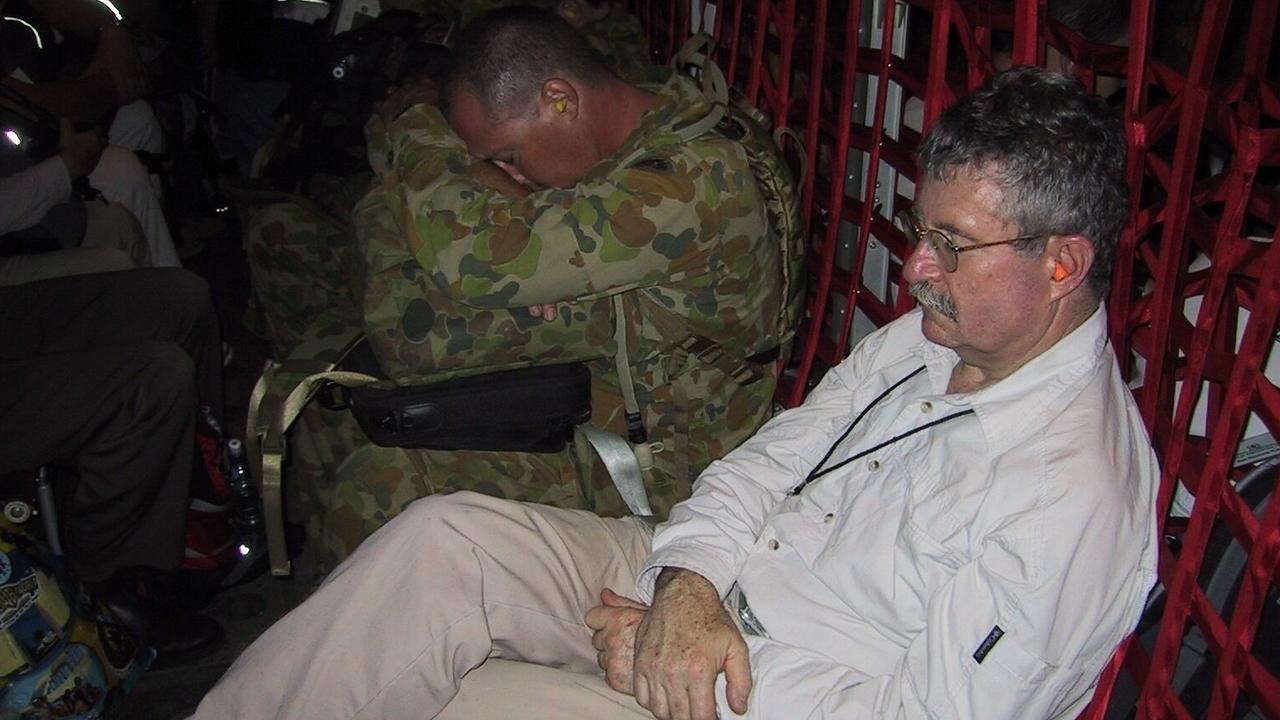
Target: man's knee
{"x": 452, "y": 506}
{"x": 111, "y": 225}
{"x": 165, "y": 369}
{"x": 184, "y": 295}
{"x": 158, "y": 380}
{"x": 463, "y": 516}
{"x": 185, "y": 288}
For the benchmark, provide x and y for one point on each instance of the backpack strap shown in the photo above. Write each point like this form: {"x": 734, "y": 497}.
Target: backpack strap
{"x": 733, "y": 117}
{"x": 685, "y": 344}
{"x": 628, "y": 461}
{"x": 738, "y": 122}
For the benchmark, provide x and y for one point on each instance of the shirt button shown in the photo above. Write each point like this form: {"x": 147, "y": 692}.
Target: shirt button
{"x": 829, "y": 518}
{"x": 926, "y": 406}
{"x": 773, "y": 544}
{"x": 874, "y": 464}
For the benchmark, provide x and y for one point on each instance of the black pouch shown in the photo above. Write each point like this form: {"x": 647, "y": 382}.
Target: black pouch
{"x": 532, "y": 409}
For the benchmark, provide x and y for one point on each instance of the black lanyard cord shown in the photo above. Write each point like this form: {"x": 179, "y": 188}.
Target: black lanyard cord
{"x": 818, "y": 471}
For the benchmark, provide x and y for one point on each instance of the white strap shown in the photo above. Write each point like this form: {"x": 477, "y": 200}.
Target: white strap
{"x": 621, "y": 359}
{"x": 272, "y": 447}
{"x": 622, "y": 463}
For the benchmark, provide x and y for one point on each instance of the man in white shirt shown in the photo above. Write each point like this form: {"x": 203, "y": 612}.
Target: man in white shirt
{"x": 959, "y": 522}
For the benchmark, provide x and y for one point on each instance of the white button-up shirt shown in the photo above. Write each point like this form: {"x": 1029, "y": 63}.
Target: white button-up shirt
{"x": 985, "y": 567}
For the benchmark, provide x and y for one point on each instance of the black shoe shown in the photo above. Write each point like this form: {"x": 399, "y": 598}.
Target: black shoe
{"x": 176, "y": 633}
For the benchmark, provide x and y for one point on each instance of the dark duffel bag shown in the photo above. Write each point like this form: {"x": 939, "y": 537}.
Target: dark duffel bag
{"x": 531, "y": 409}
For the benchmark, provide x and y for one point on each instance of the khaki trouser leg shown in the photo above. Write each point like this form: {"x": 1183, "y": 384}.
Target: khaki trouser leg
{"x": 450, "y": 582}
{"x": 113, "y": 226}
{"x": 503, "y": 690}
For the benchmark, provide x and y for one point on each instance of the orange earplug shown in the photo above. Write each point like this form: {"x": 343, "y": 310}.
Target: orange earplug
{"x": 1060, "y": 272}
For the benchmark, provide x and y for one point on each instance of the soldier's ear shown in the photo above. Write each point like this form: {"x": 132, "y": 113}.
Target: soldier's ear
{"x": 559, "y": 100}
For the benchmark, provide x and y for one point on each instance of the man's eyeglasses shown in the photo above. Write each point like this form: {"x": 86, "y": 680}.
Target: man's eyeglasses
{"x": 943, "y": 246}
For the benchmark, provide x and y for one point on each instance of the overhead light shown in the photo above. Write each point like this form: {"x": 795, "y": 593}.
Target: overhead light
{"x": 13, "y": 137}
{"x": 114, "y": 11}
{"x": 29, "y": 26}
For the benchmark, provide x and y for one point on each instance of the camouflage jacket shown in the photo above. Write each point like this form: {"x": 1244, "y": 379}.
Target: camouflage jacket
{"x": 676, "y": 225}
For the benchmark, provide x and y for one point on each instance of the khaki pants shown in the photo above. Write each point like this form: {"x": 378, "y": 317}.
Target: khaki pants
{"x": 122, "y": 178}
{"x": 454, "y": 580}
{"x": 507, "y": 690}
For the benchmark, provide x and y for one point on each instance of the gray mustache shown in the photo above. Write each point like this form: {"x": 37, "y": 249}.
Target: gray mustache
{"x": 934, "y": 299}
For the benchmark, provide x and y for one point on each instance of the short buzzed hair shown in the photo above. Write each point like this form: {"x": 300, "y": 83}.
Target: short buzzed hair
{"x": 505, "y": 55}
{"x": 1055, "y": 151}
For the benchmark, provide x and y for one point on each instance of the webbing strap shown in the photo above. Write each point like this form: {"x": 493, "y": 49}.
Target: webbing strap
{"x": 680, "y": 418}
{"x": 675, "y": 330}
{"x": 279, "y": 377}
{"x": 696, "y": 53}
{"x": 622, "y": 359}
{"x": 272, "y": 446}
{"x": 780, "y": 135}
{"x": 252, "y": 433}
{"x": 711, "y": 353}
{"x": 620, "y": 460}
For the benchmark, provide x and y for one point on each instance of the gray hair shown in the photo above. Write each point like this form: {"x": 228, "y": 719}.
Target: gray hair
{"x": 1055, "y": 151}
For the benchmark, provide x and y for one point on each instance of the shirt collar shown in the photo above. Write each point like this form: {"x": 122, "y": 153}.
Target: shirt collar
{"x": 1020, "y": 405}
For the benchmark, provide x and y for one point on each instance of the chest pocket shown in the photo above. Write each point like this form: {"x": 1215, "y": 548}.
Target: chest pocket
{"x": 935, "y": 538}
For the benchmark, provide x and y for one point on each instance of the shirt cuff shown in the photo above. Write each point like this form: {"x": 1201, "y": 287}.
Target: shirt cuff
{"x": 675, "y": 558}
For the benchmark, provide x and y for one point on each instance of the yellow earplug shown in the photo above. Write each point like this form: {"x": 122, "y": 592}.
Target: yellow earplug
{"x": 562, "y": 105}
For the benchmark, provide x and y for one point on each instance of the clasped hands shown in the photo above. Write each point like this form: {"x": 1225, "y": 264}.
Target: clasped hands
{"x": 668, "y": 655}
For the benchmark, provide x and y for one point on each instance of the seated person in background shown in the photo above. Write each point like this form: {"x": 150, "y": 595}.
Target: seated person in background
{"x": 959, "y": 522}
{"x": 36, "y": 205}
{"x": 648, "y": 215}
{"x": 106, "y": 372}
{"x": 107, "y": 93}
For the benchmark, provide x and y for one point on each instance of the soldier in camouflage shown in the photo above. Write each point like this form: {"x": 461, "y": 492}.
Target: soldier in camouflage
{"x": 302, "y": 254}
{"x": 641, "y": 203}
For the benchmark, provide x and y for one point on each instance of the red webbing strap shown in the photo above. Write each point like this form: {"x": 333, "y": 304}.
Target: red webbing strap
{"x": 1026, "y": 24}
{"x": 832, "y": 209}
{"x": 1097, "y": 708}
{"x": 854, "y": 287}
{"x": 1241, "y": 277}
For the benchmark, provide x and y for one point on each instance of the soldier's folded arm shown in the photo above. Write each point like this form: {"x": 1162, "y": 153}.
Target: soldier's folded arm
{"x": 646, "y": 223}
